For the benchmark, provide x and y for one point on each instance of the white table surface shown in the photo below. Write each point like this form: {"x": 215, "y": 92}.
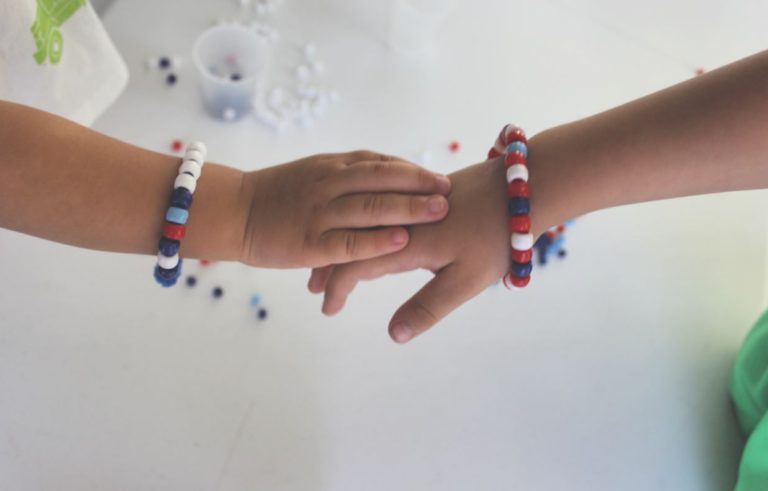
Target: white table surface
{"x": 609, "y": 373}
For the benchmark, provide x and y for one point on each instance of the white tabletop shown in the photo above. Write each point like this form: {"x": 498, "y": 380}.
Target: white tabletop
{"x": 610, "y": 372}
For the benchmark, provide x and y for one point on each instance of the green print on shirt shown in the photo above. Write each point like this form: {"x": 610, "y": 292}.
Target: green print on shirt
{"x": 51, "y": 14}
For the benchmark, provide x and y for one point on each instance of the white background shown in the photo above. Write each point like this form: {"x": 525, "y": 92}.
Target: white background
{"x": 610, "y": 372}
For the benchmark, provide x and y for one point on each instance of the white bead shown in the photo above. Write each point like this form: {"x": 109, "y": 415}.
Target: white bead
{"x": 185, "y": 181}
{"x": 195, "y": 155}
{"x": 200, "y": 147}
{"x": 318, "y": 67}
{"x": 166, "y": 262}
{"x": 517, "y": 171}
{"x": 310, "y": 50}
{"x": 522, "y": 242}
{"x": 191, "y": 167}
{"x": 302, "y": 72}
{"x": 229, "y": 114}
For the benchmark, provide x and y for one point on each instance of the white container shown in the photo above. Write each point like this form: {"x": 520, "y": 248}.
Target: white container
{"x": 231, "y": 60}
{"x": 414, "y": 24}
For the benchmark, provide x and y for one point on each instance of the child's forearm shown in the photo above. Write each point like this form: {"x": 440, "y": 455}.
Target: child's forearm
{"x": 64, "y": 182}
{"x": 705, "y": 135}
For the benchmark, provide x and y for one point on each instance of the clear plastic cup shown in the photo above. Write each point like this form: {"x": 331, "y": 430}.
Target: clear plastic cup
{"x": 231, "y": 60}
{"x": 414, "y": 23}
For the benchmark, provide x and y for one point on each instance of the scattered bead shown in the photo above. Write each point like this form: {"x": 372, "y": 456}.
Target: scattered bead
{"x": 310, "y": 50}
{"x": 454, "y": 146}
{"x": 235, "y": 77}
{"x": 177, "y": 145}
{"x": 255, "y": 300}
{"x": 561, "y": 253}
{"x": 218, "y": 292}
{"x": 191, "y": 281}
{"x": 262, "y": 314}
{"x": 204, "y": 262}
{"x": 700, "y": 71}
{"x": 171, "y": 79}
{"x": 164, "y": 62}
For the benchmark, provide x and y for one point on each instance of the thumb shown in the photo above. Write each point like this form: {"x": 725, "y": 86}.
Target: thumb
{"x": 451, "y": 287}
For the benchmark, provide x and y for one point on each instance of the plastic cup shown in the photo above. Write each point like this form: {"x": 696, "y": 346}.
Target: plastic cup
{"x": 231, "y": 60}
{"x": 414, "y": 23}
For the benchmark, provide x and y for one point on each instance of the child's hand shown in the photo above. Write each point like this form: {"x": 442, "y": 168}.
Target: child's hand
{"x": 468, "y": 251}
{"x": 323, "y": 209}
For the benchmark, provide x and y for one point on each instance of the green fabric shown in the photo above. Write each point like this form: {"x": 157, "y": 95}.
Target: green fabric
{"x": 51, "y": 14}
{"x": 749, "y": 390}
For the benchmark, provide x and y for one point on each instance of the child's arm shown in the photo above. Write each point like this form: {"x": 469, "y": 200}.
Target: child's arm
{"x": 705, "y": 135}
{"x": 66, "y": 183}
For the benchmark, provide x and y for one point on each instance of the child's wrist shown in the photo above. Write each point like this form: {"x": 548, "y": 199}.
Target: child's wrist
{"x": 216, "y": 228}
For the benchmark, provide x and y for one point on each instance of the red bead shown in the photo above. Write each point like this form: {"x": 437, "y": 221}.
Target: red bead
{"x": 177, "y": 145}
{"x": 518, "y": 187}
{"x": 493, "y": 153}
{"x": 515, "y": 158}
{"x": 520, "y": 224}
{"x": 551, "y": 235}
{"x": 204, "y": 262}
{"x": 454, "y": 146}
{"x": 515, "y": 135}
{"x": 700, "y": 71}
{"x": 511, "y": 280}
{"x": 522, "y": 257}
{"x": 561, "y": 229}
{"x": 174, "y": 231}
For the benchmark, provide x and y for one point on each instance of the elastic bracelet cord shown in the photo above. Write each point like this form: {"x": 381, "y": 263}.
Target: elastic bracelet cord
{"x": 513, "y": 145}
{"x": 168, "y": 268}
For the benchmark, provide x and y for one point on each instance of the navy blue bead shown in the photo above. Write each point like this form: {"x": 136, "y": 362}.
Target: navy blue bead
{"x": 561, "y": 253}
{"x": 262, "y": 314}
{"x": 171, "y": 79}
{"x": 235, "y": 77}
{"x": 519, "y": 205}
{"x": 168, "y": 274}
{"x": 218, "y": 292}
{"x": 521, "y": 270}
{"x": 164, "y": 62}
{"x": 181, "y": 198}
{"x": 191, "y": 281}
{"x": 168, "y": 247}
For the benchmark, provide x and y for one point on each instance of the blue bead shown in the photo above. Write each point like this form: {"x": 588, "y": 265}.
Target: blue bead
{"x": 168, "y": 247}
{"x": 181, "y": 198}
{"x": 517, "y": 147}
{"x": 521, "y": 270}
{"x": 262, "y": 314}
{"x": 168, "y": 274}
{"x": 255, "y": 300}
{"x": 519, "y": 205}
{"x": 558, "y": 243}
{"x": 218, "y": 292}
{"x": 177, "y": 215}
{"x": 191, "y": 281}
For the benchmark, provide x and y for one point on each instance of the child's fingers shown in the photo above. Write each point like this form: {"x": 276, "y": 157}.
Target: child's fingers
{"x": 453, "y": 285}
{"x": 350, "y": 158}
{"x": 319, "y": 278}
{"x": 379, "y": 176}
{"x": 343, "y": 246}
{"x": 376, "y": 209}
{"x": 345, "y": 277}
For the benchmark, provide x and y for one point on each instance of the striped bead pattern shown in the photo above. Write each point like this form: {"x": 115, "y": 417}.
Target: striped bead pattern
{"x": 512, "y": 144}
{"x": 168, "y": 267}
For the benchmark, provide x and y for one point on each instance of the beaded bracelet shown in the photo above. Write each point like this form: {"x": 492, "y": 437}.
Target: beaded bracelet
{"x": 513, "y": 145}
{"x": 168, "y": 268}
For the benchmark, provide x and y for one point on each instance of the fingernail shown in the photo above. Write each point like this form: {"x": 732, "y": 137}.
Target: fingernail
{"x": 436, "y": 204}
{"x": 399, "y": 236}
{"x": 402, "y": 333}
{"x": 443, "y": 182}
